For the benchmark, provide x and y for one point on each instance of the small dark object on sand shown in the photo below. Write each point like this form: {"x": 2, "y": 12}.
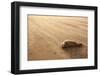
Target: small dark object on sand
{"x": 67, "y": 44}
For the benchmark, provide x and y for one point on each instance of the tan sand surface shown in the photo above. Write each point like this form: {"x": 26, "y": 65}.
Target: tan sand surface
{"x": 46, "y": 33}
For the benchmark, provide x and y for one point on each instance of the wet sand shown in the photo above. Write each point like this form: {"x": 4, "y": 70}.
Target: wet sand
{"x": 46, "y": 33}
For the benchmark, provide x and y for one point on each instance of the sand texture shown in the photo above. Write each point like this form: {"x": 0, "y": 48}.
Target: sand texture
{"x": 46, "y": 34}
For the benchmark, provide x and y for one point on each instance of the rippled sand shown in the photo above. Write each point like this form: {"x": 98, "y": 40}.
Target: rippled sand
{"x": 46, "y": 33}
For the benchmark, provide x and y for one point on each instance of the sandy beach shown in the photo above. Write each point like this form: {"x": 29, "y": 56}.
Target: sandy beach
{"x": 46, "y": 33}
